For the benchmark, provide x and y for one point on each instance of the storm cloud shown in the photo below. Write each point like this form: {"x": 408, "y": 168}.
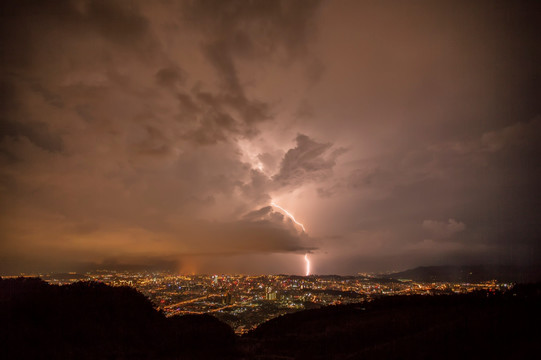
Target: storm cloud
{"x": 160, "y": 133}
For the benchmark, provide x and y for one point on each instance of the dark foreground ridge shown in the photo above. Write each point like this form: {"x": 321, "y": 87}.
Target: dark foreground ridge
{"x": 471, "y": 274}
{"x": 472, "y": 326}
{"x": 88, "y": 320}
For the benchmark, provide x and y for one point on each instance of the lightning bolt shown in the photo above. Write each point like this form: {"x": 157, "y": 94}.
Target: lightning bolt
{"x": 288, "y": 214}
{"x": 307, "y": 264}
{"x": 303, "y": 230}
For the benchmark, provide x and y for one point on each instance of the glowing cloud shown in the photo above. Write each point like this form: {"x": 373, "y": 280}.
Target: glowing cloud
{"x": 288, "y": 214}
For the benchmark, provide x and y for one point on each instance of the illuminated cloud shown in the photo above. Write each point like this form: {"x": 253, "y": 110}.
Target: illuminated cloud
{"x": 160, "y": 132}
{"x": 307, "y": 161}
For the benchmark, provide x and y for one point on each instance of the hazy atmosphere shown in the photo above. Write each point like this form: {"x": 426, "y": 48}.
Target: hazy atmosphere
{"x": 238, "y": 136}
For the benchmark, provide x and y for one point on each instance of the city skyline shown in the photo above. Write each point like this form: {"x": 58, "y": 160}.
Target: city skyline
{"x": 269, "y": 137}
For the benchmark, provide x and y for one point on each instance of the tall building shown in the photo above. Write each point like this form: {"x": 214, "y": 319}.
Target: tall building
{"x": 269, "y": 294}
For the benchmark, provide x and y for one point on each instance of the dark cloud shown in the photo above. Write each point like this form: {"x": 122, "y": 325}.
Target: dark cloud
{"x": 258, "y": 214}
{"x": 28, "y": 28}
{"x": 309, "y": 160}
{"x": 160, "y": 132}
{"x": 212, "y": 118}
{"x": 234, "y": 30}
{"x": 254, "y": 29}
{"x": 442, "y": 229}
{"x": 217, "y": 54}
{"x": 212, "y": 128}
{"x": 118, "y": 22}
{"x": 248, "y": 236}
{"x": 257, "y": 188}
{"x": 170, "y": 76}
{"x": 154, "y": 142}
{"x": 187, "y": 105}
{"x": 37, "y": 132}
{"x": 216, "y": 117}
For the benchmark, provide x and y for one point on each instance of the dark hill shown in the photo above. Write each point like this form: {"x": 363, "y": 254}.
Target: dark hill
{"x": 415, "y": 327}
{"x": 88, "y": 320}
{"x": 471, "y": 274}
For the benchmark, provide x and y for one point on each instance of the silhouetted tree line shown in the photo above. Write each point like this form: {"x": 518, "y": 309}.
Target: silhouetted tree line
{"x": 88, "y": 320}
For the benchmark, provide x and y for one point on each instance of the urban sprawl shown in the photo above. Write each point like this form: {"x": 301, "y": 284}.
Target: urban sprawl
{"x": 244, "y": 301}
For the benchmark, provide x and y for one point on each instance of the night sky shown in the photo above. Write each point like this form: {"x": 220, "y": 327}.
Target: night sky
{"x": 159, "y": 133}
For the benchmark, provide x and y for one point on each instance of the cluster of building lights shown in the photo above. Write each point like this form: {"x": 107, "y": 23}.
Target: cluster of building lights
{"x": 246, "y": 301}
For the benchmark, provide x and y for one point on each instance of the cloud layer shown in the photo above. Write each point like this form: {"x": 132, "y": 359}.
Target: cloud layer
{"x": 159, "y": 133}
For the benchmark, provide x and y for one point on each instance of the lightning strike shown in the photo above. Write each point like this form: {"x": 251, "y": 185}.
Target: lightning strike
{"x": 307, "y": 264}
{"x": 288, "y": 214}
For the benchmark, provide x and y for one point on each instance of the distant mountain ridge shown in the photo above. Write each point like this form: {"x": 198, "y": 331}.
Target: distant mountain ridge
{"x": 470, "y": 274}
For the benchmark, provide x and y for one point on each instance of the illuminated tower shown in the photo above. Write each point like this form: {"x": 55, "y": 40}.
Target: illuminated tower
{"x": 269, "y": 294}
